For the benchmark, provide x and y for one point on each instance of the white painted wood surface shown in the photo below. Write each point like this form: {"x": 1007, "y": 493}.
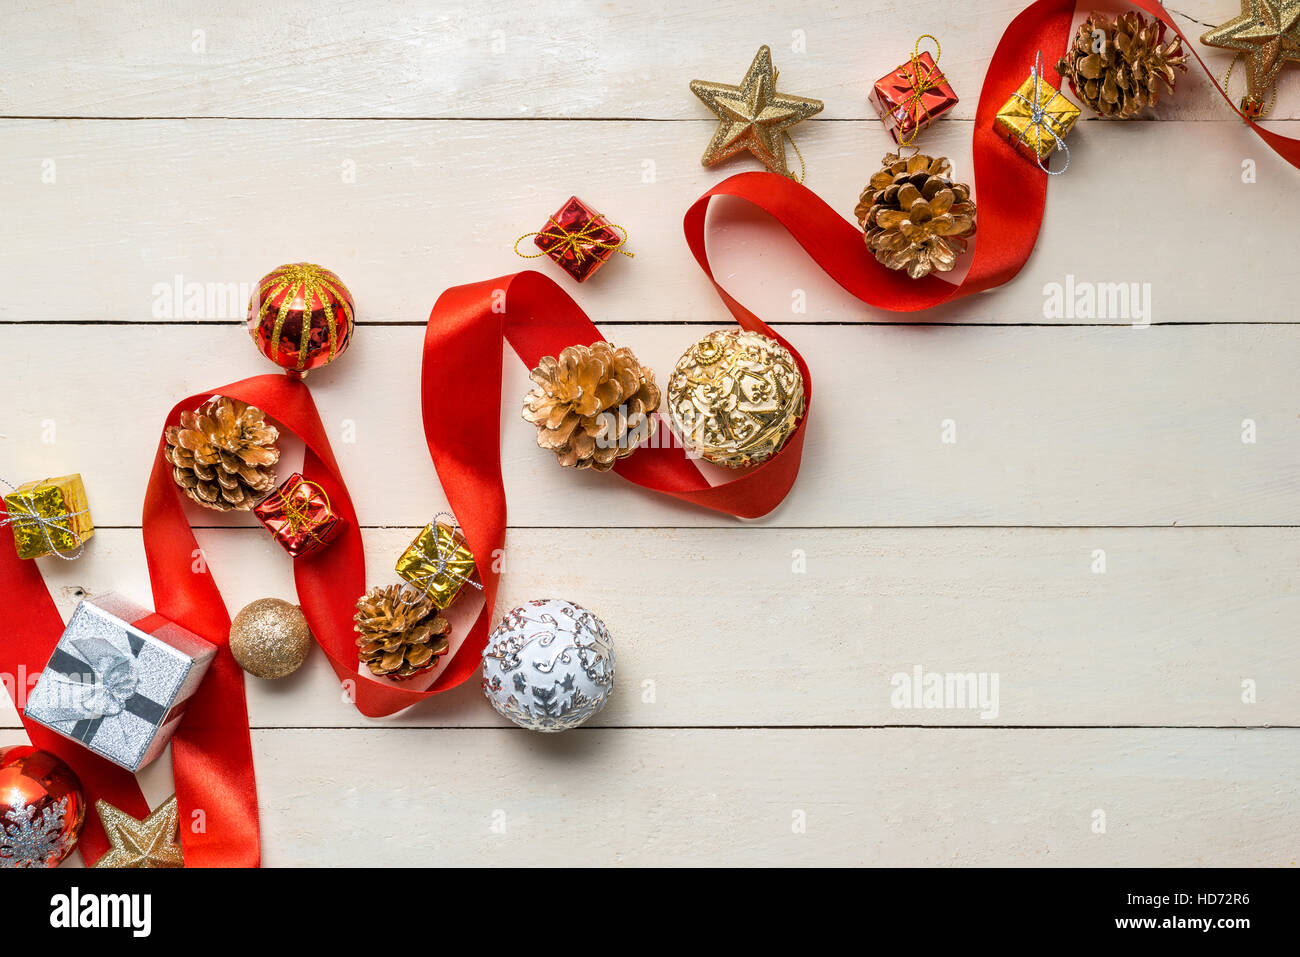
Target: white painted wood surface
{"x": 405, "y": 148}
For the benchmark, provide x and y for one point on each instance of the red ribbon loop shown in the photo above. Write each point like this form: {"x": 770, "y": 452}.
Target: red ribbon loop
{"x": 462, "y": 424}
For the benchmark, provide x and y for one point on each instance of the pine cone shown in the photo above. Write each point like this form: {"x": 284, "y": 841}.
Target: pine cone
{"x": 400, "y": 632}
{"x": 915, "y": 217}
{"x": 591, "y": 405}
{"x": 222, "y": 454}
{"x": 1125, "y": 75}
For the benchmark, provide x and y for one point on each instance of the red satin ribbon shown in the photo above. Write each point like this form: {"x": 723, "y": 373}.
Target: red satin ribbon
{"x": 1009, "y": 191}
{"x": 468, "y": 323}
{"x": 212, "y": 756}
{"x": 462, "y": 424}
{"x": 150, "y": 622}
{"x": 529, "y": 311}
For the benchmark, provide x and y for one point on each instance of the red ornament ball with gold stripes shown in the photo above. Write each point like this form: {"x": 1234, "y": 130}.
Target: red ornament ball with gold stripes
{"x": 301, "y": 317}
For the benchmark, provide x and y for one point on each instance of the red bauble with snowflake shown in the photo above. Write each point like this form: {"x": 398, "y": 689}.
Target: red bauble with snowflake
{"x": 301, "y": 317}
{"x": 42, "y": 808}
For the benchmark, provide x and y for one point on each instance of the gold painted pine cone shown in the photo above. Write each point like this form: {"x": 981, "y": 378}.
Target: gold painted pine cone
{"x": 592, "y": 405}
{"x": 399, "y": 631}
{"x": 222, "y": 453}
{"x": 1125, "y": 74}
{"x": 914, "y": 216}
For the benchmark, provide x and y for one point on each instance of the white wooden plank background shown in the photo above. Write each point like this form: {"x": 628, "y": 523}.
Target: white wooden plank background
{"x": 404, "y": 147}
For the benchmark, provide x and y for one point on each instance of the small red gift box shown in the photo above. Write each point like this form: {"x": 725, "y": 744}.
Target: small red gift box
{"x": 299, "y": 517}
{"x": 579, "y": 239}
{"x": 912, "y": 97}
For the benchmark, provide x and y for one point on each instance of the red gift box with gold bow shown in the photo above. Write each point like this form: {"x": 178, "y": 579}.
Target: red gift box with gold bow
{"x": 299, "y": 517}
{"x": 579, "y": 239}
{"x": 912, "y": 97}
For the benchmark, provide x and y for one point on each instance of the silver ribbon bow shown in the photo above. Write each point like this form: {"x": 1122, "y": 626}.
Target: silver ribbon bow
{"x": 115, "y": 680}
{"x": 1040, "y": 119}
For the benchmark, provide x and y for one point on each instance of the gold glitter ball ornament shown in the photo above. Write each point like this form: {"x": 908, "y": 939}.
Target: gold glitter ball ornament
{"x": 753, "y": 116}
{"x": 270, "y": 638}
{"x": 736, "y": 397}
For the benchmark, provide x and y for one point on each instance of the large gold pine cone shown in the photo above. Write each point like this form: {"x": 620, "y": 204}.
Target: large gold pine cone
{"x": 914, "y": 217}
{"x": 1124, "y": 75}
{"x": 591, "y": 405}
{"x": 222, "y": 454}
{"x": 399, "y": 632}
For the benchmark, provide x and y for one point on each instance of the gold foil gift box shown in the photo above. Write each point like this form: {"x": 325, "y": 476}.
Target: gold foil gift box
{"x": 1037, "y": 118}
{"x": 49, "y": 516}
{"x": 438, "y": 563}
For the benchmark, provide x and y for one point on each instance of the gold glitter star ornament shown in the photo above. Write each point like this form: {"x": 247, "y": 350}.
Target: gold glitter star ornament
{"x": 1267, "y": 34}
{"x": 153, "y": 842}
{"x": 753, "y": 116}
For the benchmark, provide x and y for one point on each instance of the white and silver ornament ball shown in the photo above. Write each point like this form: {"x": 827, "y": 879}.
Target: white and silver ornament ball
{"x": 270, "y": 638}
{"x": 549, "y": 665}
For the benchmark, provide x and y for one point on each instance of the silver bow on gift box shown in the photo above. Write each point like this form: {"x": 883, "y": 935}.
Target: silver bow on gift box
{"x": 96, "y": 685}
{"x": 1042, "y": 120}
{"x": 113, "y": 680}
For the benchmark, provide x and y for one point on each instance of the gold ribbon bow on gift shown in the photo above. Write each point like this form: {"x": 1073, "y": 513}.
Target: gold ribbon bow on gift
{"x": 922, "y": 82}
{"x": 1040, "y": 119}
{"x": 32, "y": 518}
{"x": 576, "y": 240}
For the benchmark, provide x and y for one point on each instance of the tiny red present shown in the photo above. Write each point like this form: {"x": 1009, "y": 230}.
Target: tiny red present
{"x": 579, "y": 239}
{"x": 912, "y": 97}
{"x": 299, "y": 516}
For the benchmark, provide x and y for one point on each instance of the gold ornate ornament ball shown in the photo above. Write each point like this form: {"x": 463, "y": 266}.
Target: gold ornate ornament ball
{"x": 270, "y": 638}
{"x": 735, "y": 397}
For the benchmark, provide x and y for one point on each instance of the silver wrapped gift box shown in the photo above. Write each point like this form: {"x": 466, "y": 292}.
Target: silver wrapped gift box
{"x": 119, "y": 680}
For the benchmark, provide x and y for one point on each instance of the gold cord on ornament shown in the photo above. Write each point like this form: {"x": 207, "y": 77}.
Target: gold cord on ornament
{"x": 803, "y": 170}
{"x": 575, "y": 240}
{"x": 921, "y": 84}
{"x": 1246, "y": 108}
{"x": 297, "y": 514}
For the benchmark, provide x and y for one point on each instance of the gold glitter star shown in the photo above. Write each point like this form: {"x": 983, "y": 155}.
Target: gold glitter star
{"x": 753, "y": 116}
{"x": 1268, "y": 33}
{"x": 153, "y": 842}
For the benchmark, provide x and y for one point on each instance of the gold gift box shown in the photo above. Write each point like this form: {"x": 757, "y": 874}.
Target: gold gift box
{"x": 61, "y": 502}
{"x": 1016, "y": 118}
{"x": 420, "y": 563}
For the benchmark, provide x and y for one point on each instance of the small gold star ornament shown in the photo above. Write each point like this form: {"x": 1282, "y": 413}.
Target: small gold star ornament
{"x": 1267, "y": 34}
{"x": 753, "y": 116}
{"x": 153, "y": 842}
